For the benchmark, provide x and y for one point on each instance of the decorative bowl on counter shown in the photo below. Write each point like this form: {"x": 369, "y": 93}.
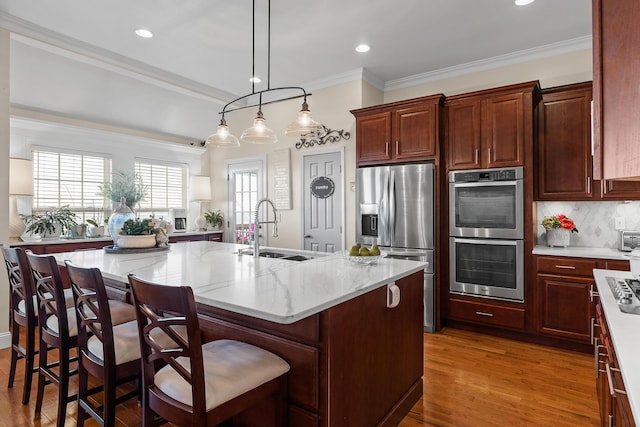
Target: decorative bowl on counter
{"x": 363, "y": 260}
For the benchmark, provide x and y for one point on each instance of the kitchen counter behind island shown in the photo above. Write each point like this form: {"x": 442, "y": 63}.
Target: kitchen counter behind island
{"x": 354, "y": 361}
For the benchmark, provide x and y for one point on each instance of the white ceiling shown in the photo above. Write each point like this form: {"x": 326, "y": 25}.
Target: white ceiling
{"x": 80, "y": 58}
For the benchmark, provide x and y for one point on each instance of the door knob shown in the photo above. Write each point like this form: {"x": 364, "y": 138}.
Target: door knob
{"x": 307, "y": 236}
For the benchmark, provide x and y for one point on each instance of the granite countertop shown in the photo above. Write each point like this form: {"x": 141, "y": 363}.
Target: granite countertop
{"x": 623, "y": 328}
{"x": 278, "y": 290}
{"x": 581, "y": 252}
{"x": 32, "y": 240}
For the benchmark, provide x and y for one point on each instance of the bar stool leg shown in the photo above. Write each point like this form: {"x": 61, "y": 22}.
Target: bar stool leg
{"x": 63, "y": 387}
{"x": 15, "y": 342}
{"x": 42, "y": 362}
{"x": 30, "y": 347}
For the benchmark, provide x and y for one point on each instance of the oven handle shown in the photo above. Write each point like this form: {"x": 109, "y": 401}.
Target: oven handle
{"x": 504, "y": 242}
{"x": 485, "y": 183}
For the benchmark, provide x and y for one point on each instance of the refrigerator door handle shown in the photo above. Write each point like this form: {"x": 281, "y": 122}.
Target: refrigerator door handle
{"x": 392, "y": 208}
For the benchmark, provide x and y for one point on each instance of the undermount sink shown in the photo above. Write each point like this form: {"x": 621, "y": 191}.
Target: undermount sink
{"x": 282, "y": 255}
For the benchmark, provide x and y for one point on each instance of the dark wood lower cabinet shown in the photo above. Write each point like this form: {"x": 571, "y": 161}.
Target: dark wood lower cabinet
{"x": 615, "y": 409}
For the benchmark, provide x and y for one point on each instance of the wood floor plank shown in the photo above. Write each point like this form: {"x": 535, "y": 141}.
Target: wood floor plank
{"x": 470, "y": 380}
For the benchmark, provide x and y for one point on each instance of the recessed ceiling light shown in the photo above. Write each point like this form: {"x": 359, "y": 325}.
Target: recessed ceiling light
{"x": 144, "y": 33}
{"x": 255, "y": 79}
{"x": 523, "y": 2}
{"x": 362, "y": 48}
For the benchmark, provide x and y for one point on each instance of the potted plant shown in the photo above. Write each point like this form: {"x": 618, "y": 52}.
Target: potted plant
{"x": 214, "y": 218}
{"x": 558, "y": 228}
{"x": 127, "y": 185}
{"x": 94, "y": 229}
{"x": 137, "y": 233}
{"x": 51, "y": 224}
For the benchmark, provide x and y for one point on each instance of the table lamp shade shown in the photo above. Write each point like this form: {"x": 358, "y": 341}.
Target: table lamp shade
{"x": 200, "y": 188}
{"x": 20, "y": 177}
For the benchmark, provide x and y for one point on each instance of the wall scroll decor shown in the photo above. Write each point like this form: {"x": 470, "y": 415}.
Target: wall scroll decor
{"x": 329, "y": 136}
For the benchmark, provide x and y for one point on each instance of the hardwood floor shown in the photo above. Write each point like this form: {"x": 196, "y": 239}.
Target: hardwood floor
{"x": 470, "y": 379}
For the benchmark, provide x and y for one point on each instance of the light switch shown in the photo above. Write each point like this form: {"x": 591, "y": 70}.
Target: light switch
{"x": 352, "y": 186}
{"x": 618, "y": 223}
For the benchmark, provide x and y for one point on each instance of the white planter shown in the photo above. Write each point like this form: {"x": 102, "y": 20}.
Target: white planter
{"x": 558, "y": 237}
{"x": 136, "y": 242}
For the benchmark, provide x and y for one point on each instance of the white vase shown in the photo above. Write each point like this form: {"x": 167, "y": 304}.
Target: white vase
{"x": 558, "y": 237}
{"x": 136, "y": 242}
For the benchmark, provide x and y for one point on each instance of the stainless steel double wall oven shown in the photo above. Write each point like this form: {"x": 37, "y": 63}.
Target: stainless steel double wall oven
{"x": 486, "y": 233}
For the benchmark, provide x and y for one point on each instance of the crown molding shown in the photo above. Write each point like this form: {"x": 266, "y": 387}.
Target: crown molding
{"x": 540, "y": 52}
{"x": 33, "y": 35}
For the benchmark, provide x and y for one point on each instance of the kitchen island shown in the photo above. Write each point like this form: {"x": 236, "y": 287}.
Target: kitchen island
{"x": 354, "y": 360}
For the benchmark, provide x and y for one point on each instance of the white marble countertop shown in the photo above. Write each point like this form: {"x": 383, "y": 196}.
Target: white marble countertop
{"x": 581, "y": 252}
{"x": 623, "y": 328}
{"x": 272, "y": 289}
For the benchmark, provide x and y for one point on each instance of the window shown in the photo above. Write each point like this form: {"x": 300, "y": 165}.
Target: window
{"x": 72, "y": 179}
{"x": 245, "y": 188}
{"x": 167, "y": 184}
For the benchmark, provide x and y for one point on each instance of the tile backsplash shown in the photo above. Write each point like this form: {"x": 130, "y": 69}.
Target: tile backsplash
{"x": 594, "y": 221}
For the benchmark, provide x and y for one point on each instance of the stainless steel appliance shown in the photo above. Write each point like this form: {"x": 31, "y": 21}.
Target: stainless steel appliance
{"x": 395, "y": 209}
{"x": 486, "y": 246}
{"x": 492, "y": 268}
{"x": 629, "y": 240}
{"x": 178, "y": 217}
{"x": 486, "y": 203}
{"x": 627, "y": 293}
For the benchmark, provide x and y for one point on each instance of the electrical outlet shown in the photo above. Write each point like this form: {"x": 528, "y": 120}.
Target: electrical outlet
{"x": 352, "y": 186}
{"x": 618, "y": 223}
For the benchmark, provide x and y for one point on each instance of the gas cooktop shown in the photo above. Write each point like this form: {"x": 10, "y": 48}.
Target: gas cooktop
{"x": 627, "y": 294}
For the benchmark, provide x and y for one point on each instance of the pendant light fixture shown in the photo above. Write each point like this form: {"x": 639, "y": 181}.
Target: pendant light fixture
{"x": 259, "y": 133}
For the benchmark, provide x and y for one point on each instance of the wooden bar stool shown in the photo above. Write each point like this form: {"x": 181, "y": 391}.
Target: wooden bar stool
{"x": 108, "y": 345}
{"x": 189, "y": 383}
{"x": 58, "y": 331}
{"x": 23, "y": 315}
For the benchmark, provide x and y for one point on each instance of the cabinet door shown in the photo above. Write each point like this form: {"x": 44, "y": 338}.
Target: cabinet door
{"x": 503, "y": 131}
{"x": 564, "y": 308}
{"x": 616, "y": 106}
{"x": 563, "y": 164}
{"x": 464, "y": 135}
{"x": 621, "y": 190}
{"x": 373, "y": 136}
{"x": 414, "y": 131}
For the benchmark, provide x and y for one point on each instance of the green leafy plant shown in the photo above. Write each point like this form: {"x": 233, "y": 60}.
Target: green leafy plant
{"x": 138, "y": 227}
{"x": 45, "y": 223}
{"x": 214, "y": 218}
{"x": 127, "y": 185}
{"x": 93, "y": 222}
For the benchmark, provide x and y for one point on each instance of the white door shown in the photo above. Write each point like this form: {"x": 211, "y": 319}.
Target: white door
{"x": 322, "y": 202}
{"x": 245, "y": 187}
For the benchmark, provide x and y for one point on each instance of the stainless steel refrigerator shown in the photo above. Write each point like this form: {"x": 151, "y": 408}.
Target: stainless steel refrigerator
{"x": 395, "y": 209}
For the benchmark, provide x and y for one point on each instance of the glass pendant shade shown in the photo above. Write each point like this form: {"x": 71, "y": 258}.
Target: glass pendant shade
{"x": 259, "y": 133}
{"x": 222, "y": 138}
{"x": 305, "y": 126}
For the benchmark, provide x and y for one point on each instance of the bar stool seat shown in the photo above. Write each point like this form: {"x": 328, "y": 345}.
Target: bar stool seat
{"x": 231, "y": 368}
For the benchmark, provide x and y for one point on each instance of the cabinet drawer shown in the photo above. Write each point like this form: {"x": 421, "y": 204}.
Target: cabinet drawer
{"x": 567, "y": 266}
{"x": 490, "y": 314}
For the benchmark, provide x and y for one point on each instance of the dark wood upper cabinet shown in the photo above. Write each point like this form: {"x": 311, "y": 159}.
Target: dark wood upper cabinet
{"x": 488, "y": 129}
{"x": 616, "y": 43}
{"x": 563, "y": 152}
{"x": 402, "y": 131}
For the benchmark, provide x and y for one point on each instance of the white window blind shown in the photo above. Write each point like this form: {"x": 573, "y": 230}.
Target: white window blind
{"x": 167, "y": 185}
{"x": 72, "y": 179}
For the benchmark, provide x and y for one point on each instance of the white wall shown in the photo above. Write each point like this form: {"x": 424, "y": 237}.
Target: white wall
{"x": 551, "y": 71}
{"x": 5, "y": 338}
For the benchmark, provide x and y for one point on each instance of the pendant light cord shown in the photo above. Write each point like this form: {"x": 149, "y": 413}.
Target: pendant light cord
{"x": 268, "y": 44}
{"x": 253, "y": 50}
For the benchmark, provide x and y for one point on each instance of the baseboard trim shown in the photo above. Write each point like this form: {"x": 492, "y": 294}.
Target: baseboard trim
{"x": 5, "y": 339}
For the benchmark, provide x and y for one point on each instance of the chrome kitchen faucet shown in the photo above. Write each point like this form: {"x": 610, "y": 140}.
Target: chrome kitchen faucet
{"x": 256, "y": 237}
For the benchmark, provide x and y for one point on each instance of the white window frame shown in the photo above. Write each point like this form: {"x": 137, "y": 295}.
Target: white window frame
{"x": 143, "y": 209}
{"x": 97, "y": 212}
{"x": 235, "y": 166}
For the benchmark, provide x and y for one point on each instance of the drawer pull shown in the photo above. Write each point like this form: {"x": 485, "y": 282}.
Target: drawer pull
{"x": 592, "y": 293}
{"x": 566, "y": 267}
{"x": 483, "y": 313}
{"x": 613, "y": 391}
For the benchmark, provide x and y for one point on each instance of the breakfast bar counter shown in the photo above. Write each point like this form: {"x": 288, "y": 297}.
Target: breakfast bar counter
{"x": 352, "y": 333}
